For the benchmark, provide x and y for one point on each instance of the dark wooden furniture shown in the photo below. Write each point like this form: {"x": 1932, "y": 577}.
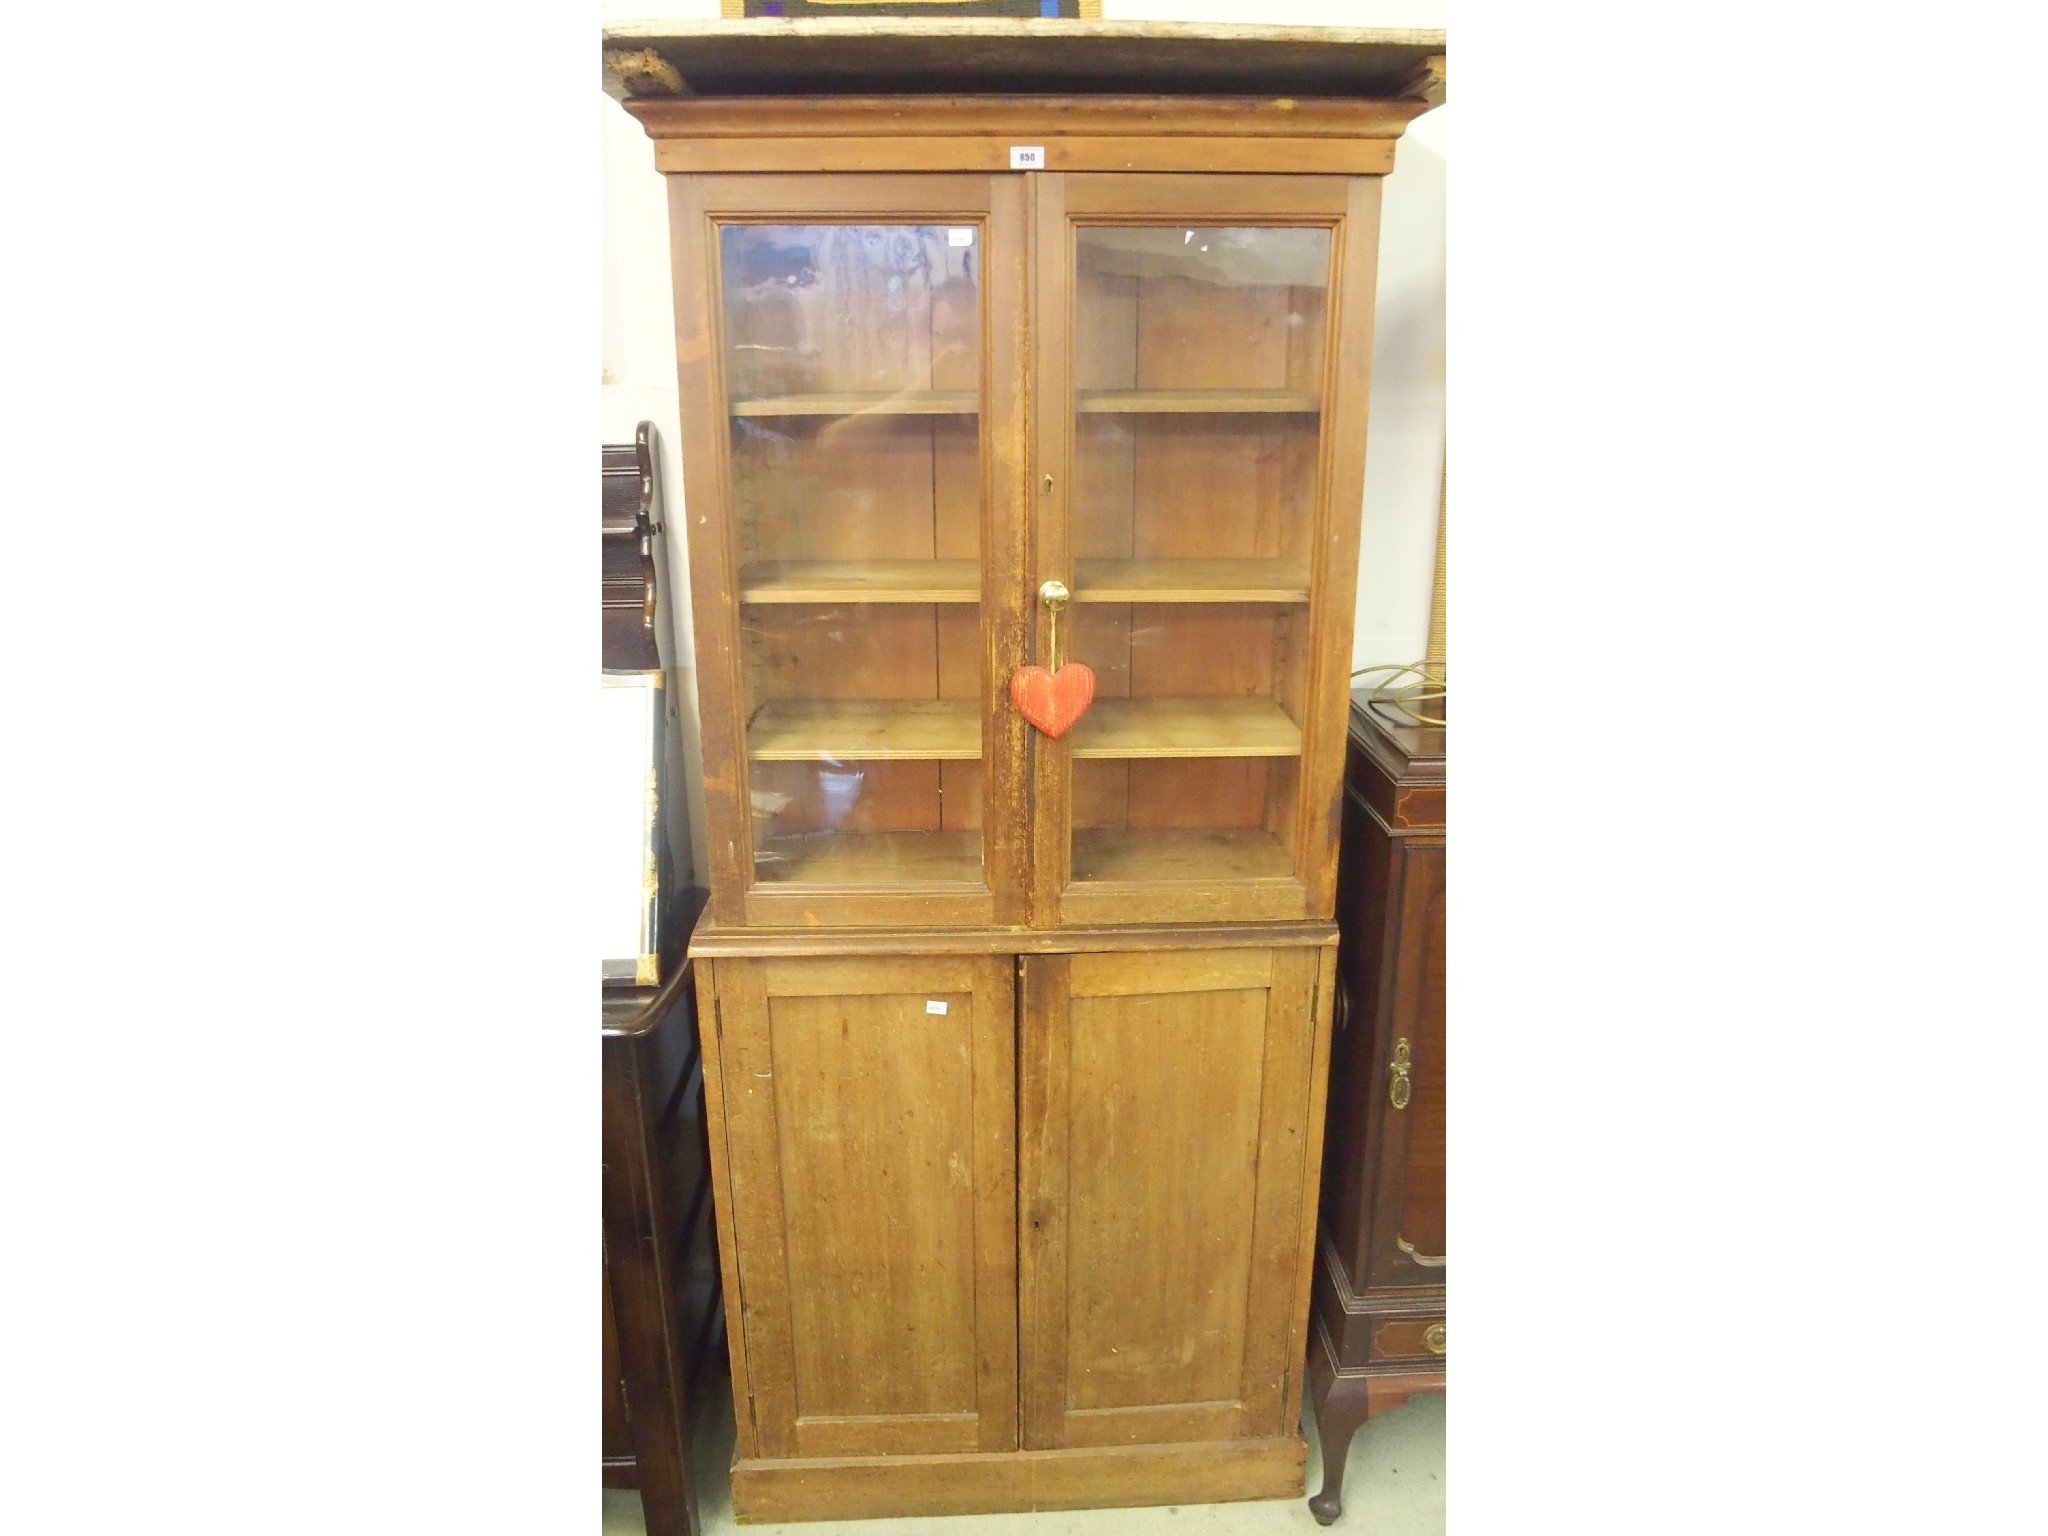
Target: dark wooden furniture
{"x": 661, "y": 1285}
{"x": 631, "y": 511}
{"x": 662, "y": 1289}
{"x": 1378, "y": 1335}
{"x": 1017, "y": 1041}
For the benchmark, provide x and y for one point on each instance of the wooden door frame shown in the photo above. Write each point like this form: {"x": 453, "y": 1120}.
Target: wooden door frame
{"x": 995, "y": 206}
{"x": 1348, "y": 206}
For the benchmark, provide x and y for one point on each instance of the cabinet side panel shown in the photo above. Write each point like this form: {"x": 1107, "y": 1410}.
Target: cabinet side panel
{"x": 1358, "y": 1049}
{"x": 618, "y": 1442}
{"x": 709, "y": 977}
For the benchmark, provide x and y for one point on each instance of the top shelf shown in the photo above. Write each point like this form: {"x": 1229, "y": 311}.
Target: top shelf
{"x": 906, "y": 402}
{"x": 1088, "y": 402}
{"x": 1196, "y": 402}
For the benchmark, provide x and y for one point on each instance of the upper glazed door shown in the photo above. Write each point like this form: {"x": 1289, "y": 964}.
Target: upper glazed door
{"x": 1200, "y": 382}
{"x": 852, "y": 373}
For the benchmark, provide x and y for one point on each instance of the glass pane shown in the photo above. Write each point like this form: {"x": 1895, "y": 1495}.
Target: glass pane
{"x": 853, "y": 368}
{"x": 1198, "y": 377}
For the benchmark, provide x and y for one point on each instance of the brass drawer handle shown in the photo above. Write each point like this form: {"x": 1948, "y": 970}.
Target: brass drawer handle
{"x": 1398, "y": 1087}
{"x": 1433, "y": 1338}
{"x": 1426, "y": 1260}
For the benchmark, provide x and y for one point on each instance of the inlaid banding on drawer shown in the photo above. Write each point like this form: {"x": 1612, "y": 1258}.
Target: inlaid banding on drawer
{"x": 1409, "y": 1338}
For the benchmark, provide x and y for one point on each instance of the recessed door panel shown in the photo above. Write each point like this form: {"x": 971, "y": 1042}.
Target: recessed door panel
{"x": 1409, "y": 1243}
{"x": 1165, "y": 1106}
{"x": 869, "y": 1118}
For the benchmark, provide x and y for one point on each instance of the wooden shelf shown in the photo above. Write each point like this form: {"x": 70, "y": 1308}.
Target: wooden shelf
{"x": 878, "y": 730}
{"x": 870, "y": 859}
{"x": 959, "y": 581}
{"x": 1189, "y": 581}
{"x": 1130, "y": 728}
{"x": 908, "y": 402}
{"x": 1189, "y": 402}
{"x": 1179, "y": 854}
{"x": 861, "y": 581}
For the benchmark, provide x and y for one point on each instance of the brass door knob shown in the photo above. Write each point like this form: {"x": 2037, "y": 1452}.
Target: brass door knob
{"x": 1433, "y": 1338}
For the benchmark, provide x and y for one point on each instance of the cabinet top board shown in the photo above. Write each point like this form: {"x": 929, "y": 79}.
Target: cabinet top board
{"x": 998, "y": 56}
{"x": 1409, "y": 752}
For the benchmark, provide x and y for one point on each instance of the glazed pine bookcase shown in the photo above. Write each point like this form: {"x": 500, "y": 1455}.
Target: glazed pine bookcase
{"x": 1016, "y": 1045}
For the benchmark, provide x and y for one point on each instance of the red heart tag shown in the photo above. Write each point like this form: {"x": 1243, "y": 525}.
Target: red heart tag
{"x": 1053, "y": 701}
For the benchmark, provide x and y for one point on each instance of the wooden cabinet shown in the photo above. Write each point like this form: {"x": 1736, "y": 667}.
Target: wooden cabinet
{"x": 993, "y": 356}
{"x": 1379, "y": 1334}
{"x": 886, "y": 478}
{"x": 980, "y": 1207}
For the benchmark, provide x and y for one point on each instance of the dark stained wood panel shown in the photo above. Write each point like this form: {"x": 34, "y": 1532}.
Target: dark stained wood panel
{"x": 1422, "y": 1191}
{"x": 1379, "y": 1284}
{"x": 662, "y": 1291}
{"x": 830, "y": 57}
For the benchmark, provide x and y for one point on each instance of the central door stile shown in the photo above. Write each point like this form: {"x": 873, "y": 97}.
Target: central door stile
{"x": 1006, "y": 536}
{"x": 1050, "y": 492}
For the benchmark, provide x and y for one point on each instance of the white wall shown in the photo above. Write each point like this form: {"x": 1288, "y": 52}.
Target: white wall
{"x": 1404, "y": 443}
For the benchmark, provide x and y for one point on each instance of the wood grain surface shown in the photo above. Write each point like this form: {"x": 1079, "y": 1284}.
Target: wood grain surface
{"x": 908, "y": 56}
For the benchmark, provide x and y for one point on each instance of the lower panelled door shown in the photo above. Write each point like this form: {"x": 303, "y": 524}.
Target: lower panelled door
{"x": 869, "y": 1115}
{"x": 1168, "y": 1143}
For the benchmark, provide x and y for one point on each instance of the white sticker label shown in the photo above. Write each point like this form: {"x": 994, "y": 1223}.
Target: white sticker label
{"x": 959, "y": 237}
{"x": 934, "y": 1007}
{"x": 1027, "y": 157}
